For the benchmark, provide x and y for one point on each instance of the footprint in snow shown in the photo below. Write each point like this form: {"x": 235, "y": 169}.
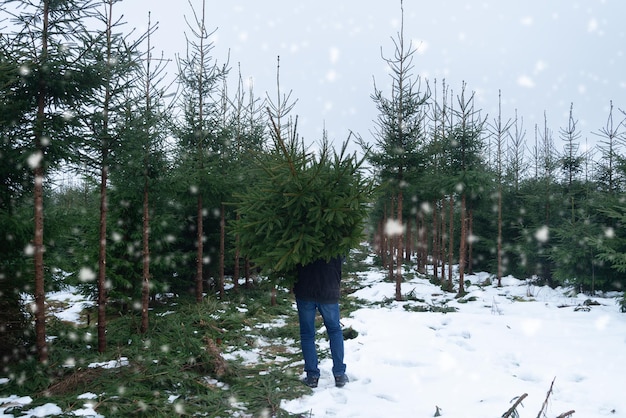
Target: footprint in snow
{"x": 339, "y": 397}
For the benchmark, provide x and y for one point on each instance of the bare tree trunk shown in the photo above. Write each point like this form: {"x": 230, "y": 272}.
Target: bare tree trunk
{"x": 499, "y": 249}
{"x": 422, "y": 243}
{"x": 199, "y": 251}
{"x": 236, "y": 268}
{"x": 443, "y": 249}
{"x": 273, "y": 296}
{"x": 391, "y": 259}
{"x": 462, "y": 246}
{"x": 436, "y": 238}
{"x": 247, "y": 272}
{"x": 470, "y": 241}
{"x": 391, "y": 244}
{"x": 399, "y": 252}
{"x": 145, "y": 287}
{"x": 222, "y": 249}
{"x": 102, "y": 288}
{"x": 40, "y": 292}
{"x": 413, "y": 240}
{"x": 450, "y": 241}
{"x": 381, "y": 244}
{"x": 408, "y": 244}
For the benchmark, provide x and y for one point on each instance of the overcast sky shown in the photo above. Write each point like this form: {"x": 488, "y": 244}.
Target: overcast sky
{"x": 543, "y": 55}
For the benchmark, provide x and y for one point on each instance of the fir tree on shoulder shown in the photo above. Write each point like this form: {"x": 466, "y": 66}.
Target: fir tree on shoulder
{"x": 301, "y": 206}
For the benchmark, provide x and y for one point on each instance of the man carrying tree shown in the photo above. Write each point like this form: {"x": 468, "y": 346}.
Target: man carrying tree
{"x": 298, "y": 216}
{"x": 318, "y": 289}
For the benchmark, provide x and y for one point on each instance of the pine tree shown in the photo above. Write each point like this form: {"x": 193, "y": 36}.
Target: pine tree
{"x": 611, "y": 135}
{"x": 500, "y": 131}
{"x": 117, "y": 57}
{"x": 539, "y": 195}
{"x": 397, "y": 155}
{"x": 571, "y": 161}
{"x": 54, "y": 79}
{"x": 200, "y": 134}
{"x": 248, "y": 136}
{"x": 469, "y": 175}
{"x": 151, "y": 118}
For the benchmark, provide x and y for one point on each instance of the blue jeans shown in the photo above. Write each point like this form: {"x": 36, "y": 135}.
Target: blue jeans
{"x": 330, "y": 315}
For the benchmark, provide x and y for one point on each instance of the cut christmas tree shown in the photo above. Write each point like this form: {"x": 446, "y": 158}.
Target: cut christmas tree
{"x": 302, "y": 206}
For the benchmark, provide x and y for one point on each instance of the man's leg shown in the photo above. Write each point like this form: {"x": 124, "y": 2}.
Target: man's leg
{"x": 330, "y": 314}
{"x": 306, "y": 317}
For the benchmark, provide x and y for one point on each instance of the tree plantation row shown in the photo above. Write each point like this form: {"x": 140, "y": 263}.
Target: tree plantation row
{"x": 111, "y": 183}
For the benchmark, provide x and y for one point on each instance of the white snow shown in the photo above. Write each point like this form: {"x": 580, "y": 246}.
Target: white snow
{"x": 503, "y": 343}
{"x": 73, "y": 304}
{"x": 111, "y": 364}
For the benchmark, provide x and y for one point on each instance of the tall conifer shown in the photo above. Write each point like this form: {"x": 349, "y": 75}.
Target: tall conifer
{"x": 57, "y": 71}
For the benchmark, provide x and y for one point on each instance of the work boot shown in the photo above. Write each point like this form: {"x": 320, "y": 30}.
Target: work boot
{"x": 311, "y": 381}
{"x": 341, "y": 380}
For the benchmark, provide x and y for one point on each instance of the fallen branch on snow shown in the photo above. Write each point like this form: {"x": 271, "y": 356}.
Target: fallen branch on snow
{"x": 512, "y": 410}
{"x": 545, "y": 402}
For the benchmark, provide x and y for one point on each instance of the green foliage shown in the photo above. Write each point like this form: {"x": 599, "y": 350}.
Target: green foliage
{"x": 126, "y": 222}
{"x": 71, "y": 229}
{"x": 574, "y": 256}
{"x": 178, "y": 366}
{"x": 14, "y": 341}
{"x": 612, "y": 245}
{"x": 302, "y": 207}
{"x": 15, "y": 213}
{"x": 524, "y": 215}
{"x": 51, "y": 76}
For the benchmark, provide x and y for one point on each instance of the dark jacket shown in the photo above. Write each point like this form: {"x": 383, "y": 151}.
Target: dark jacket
{"x": 319, "y": 281}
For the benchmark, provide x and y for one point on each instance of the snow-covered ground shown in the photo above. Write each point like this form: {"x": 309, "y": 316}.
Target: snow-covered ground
{"x": 501, "y": 344}
{"x": 473, "y": 363}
